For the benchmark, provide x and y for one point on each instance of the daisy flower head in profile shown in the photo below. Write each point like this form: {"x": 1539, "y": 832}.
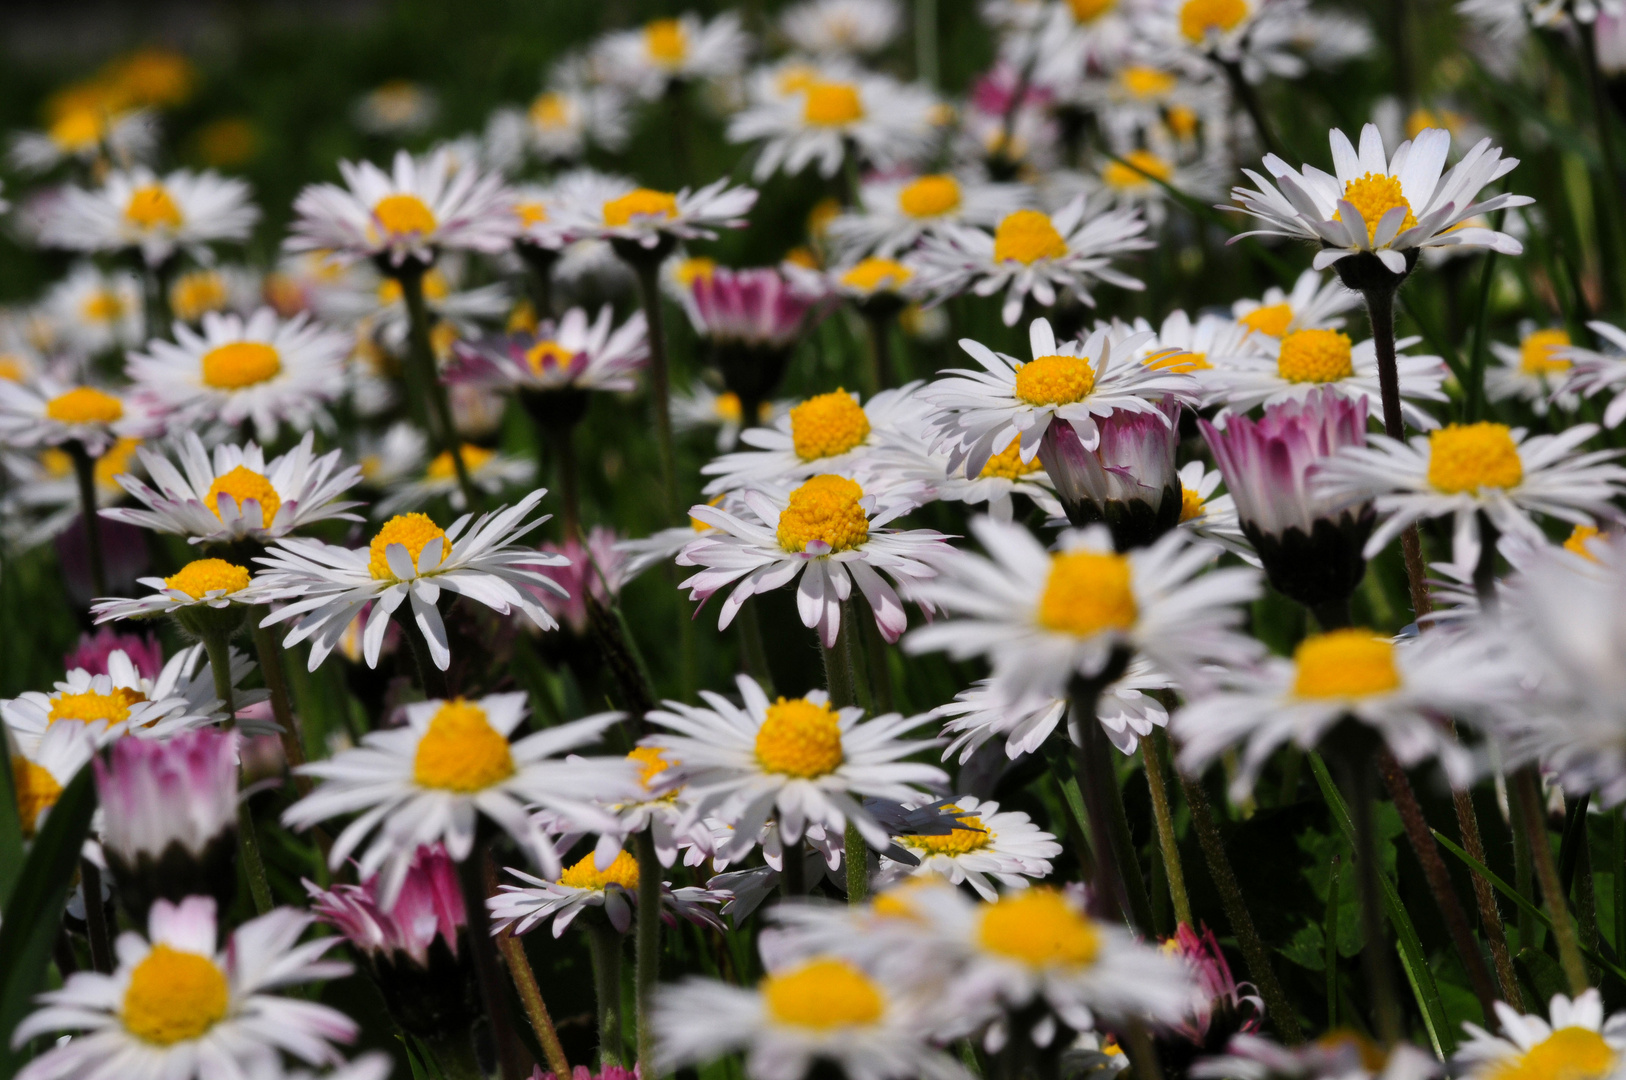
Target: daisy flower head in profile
{"x": 1390, "y": 207}
{"x": 1576, "y": 1038}
{"x": 985, "y": 843}
{"x": 570, "y": 354}
{"x": 1136, "y": 176}
{"x": 1257, "y": 37}
{"x": 1342, "y": 1055}
{"x": 1032, "y": 253}
{"x": 798, "y": 761}
{"x": 658, "y": 807}
{"x": 421, "y": 207}
{"x": 157, "y": 216}
{"x": 894, "y": 213}
{"x": 835, "y": 28}
{"x": 1473, "y": 472}
{"x": 486, "y": 560}
{"x": 182, "y": 1006}
{"x": 1538, "y": 371}
{"x": 235, "y": 494}
{"x": 582, "y": 886}
{"x": 40, "y": 775}
{"x": 1044, "y": 618}
{"x": 634, "y": 218}
{"x": 209, "y": 597}
{"x": 49, "y": 412}
{"x": 1597, "y": 370}
{"x": 826, "y": 534}
{"x": 93, "y": 311}
{"x": 906, "y": 454}
{"x": 263, "y": 370}
{"x": 80, "y": 127}
{"x": 431, "y": 780}
{"x": 398, "y": 107}
{"x": 648, "y": 60}
{"x": 1314, "y": 303}
{"x": 428, "y": 479}
{"x": 884, "y": 121}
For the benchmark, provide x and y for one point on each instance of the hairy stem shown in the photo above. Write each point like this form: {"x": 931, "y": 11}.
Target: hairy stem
{"x": 1155, "y": 749}
{"x": 1532, "y": 816}
{"x": 604, "y": 946}
{"x": 525, "y": 984}
{"x": 512, "y": 1059}
{"x": 218, "y": 647}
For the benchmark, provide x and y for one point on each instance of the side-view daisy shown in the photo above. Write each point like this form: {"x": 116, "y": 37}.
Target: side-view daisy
{"x": 202, "y": 584}
{"x": 49, "y": 412}
{"x": 154, "y": 215}
{"x": 572, "y": 354}
{"x": 608, "y": 208}
{"x": 1595, "y": 371}
{"x": 108, "y": 704}
{"x": 1540, "y": 370}
{"x": 984, "y": 843}
{"x": 893, "y": 214}
{"x": 41, "y": 775}
{"x": 1314, "y": 303}
{"x": 648, "y": 60}
{"x": 876, "y": 117}
{"x": 582, "y": 885}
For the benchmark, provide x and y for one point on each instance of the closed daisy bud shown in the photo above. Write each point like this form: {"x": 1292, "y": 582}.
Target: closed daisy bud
{"x": 1128, "y": 482}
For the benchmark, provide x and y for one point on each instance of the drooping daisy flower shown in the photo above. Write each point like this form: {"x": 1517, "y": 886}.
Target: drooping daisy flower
{"x": 1033, "y": 253}
{"x": 1575, "y": 1040}
{"x": 1314, "y": 304}
{"x": 181, "y": 1007}
{"x": 1469, "y": 470}
{"x": 235, "y": 494}
{"x": 880, "y": 119}
{"x": 158, "y": 216}
{"x": 94, "y": 311}
{"x": 48, "y": 412}
{"x": 39, "y": 776}
{"x": 1045, "y": 618}
{"x": 841, "y": 27}
{"x": 1538, "y": 370}
{"x": 829, "y": 533}
{"x": 609, "y": 208}
{"x": 1386, "y": 206}
{"x": 1596, "y": 371}
{"x": 893, "y": 214}
{"x": 419, "y": 208}
{"x": 570, "y": 355}
{"x": 984, "y": 843}
{"x": 202, "y": 584}
{"x": 797, "y": 760}
{"x": 328, "y": 586}
{"x": 648, "y": 60}
{"x": 429, "y": 781}
{"x": 583, "y": 885}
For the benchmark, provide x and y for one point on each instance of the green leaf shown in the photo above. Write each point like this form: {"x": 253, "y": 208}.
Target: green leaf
{"x": 1542, "y": 972}
{"x": 33, "y": 916}
{"x": 11, "y": 827}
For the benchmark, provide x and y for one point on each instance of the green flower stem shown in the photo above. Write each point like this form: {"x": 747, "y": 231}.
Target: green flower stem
{"x": 269, "y": 652}
{"x": 218, "y": 647}
{"x": 857, "y": 859}
{"x": 563, "y": 438}
{"x": 1531, "y": 813}
{"x": 423, "y": 371}
{"x": 841, "y": 679}
{"x": 1078, "y": 820}
{"x": 648, "y": 946}
{"x": 1155, "y": 749}
{"x": 1354, "y": 777}
{"x": 513, "y": 1062}
{"x": 431, "y": 680}
{"x": 660, "y": 378}
{"x": 84, "y": 471}
{"x": 1611, "y": 242}
{"x": 881, "y": 376}
{"x": 1118, "y": 869}
{"x": 604, "y": 946}
{"x": 1490, "y": 914}
{"x": 96, "y": 928}
{"x": 926, "y": 41}
{"x": 1249, "y": 99}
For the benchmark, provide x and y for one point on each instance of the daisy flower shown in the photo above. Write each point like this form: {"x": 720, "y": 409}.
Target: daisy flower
{"x": 703, "y": 408}
{"x": 214, "y": 288}
{"x": 436, "y": 478}
{"x": 1046, "y": 618}
{"x": 262, "y": 369}
{"x": 907, "y": 455}
{"x": 1383, "y": 206}
{"x": 582, "y": 885}
{"x": 421, "y": 207}
{"x": 1473, "y": 470}
{"x": 1135, "y": 177}
{"x": 1594, "y": 371}
{"x": 1576, "y": 1040}
{"x": 398, "y": 107}
{"x": 328, "y": 586}
{"x": 882, "y": 120}
{"x": 797, "y": 760}
{"x": 1342, "y": 1056}
{"x": 201, "y": 586}
{"x": 48, "y": 412}
{"x": 558, "y": 357}
{"x": 158, "y": 216}
{"x": 1073, "y": 37}
{"x": 42, "y": 496}
{"x": 79, "y": 131}
{"x": 108, "y": 705}
{"x": 39, "y": 776}
{"x": 1313, "y": 304}
{"x": 234, "y": 494}
{"x": 1198, "y": 347}
{"x": 1537, "y": 371}
{"x": 95, "y": 311}
{"x": 829, "y": 533}
{"x": 569, "y": 115}
{"x": 1398, "y": 689}
{"x": 657, "y": 808}
{"x": 1209, "y": 514}
{"x": 841, "y": 27}
{"x": 980, "y": 412}
{"x": 984, "y": 843}
{"x": 1256, "y": 36}
{"x": 181, "y": 1007}
{"x": 429, "y": 782}
{"x": 602, "y": 207}
{"x": 648, "y": 60}
{"x": 365, "y": 297}
{"x": 894, "y": 213}
{"x": 1304, "y": 361}
{"x": 1033, "y": 253}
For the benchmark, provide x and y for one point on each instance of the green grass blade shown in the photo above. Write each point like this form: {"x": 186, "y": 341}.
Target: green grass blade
{"x": 11, "y": 828}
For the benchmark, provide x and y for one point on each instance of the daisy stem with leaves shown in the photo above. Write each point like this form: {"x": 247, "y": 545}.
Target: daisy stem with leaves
{"x": 217, "y": 645}
{"x": 1531, "y": 810}
{"x": 422, "y": 371}
{"x": 604, "y": 947}
{"x": 1155, "y": 750}
{"x": 84, "y": 471}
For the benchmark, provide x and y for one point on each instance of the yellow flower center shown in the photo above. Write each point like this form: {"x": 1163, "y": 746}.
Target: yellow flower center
{"x": 1271, "y": 321}
{"x": 444, "y": 468}
{"x": 1572, "y": 1053}
{"x": 1026, "y": 236}
{"x": 1146, "y": 82}
{"x": 1372, "y": 1056}
{"x": 1536, "y": 353}
{"x": 1054, "y": 380}
{"x": 1421, "y": 120}
{"x": 435, "y": 287}
{"x": 1008, "y": 463}
{"x": 586, "y": 874}
{"x": 968, "y": 836}
{"x": 1198, "y": 17}
{"x": 239, "y": 364}
{"x": 200, "y": 577}
{"x": 1138, "y": 169}
{"x": 728, "y": 407}
{"x": 1579, "y": 537}
{"x": 795, "y": 78}
{"x": 37, "y": 791}
{"x": 402, "y": 214}
{"x": 84, "y": 405}
{"x": 875, "y": 273}
{"x": 826, "y": 425}
{"x": 825, "y": 508}
{"x": 530, "y": 213}
{"x": 1374, "y": 195}
{"x": 1038, "y": 927}
{"x": 1088, "y": 592}
{"x": 1315, "y": 356}
{"x": 641, "y": 202}
{"x": 174, "y": 996}
{"x": 823, "y": 994}
{"x": 1191, "y": 504}
{"x": 78, "y": 129}
{"x": 412, "y": 531}
{"x": 243, "y": 484}
{"x": 1468, "y": 457}
{"x": 667, "y": 41}
{"x": 90, "y": 706}
{"x": 551, "y": 110}
{"x": 1349, "y": 663}
{"x": 461, "y": 751}
{"x": 151, "y": 206}
{"x": 930, "y": 196}
{"x": 651, "y": 763}
{"x": 1182, "y": 120}
{"x": 114, "y": 461}
{"x": 1183, "y": 363}
{"x": 800, "y": 738}
{"x": 832, "y": 104}
{"x": 12, "y": 367}
{"x": 548, "y": 354}
{"x": 198, "y": 292}
{"x": 102, "y": 306}
{"x": 695, "y": 268}
{"x": 1087, "y": 11}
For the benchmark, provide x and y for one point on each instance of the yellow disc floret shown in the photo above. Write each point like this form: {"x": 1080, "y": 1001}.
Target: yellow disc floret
{"x": 1008, "y": 463}
{"x": 1536, "y": 353}
{"x": 876, "y": 273}
{"x": 1146, "y": 82}
{"x": 403, "y": 214}
{"x": 728, "y": 408}
{"x": 667, "y": 41}
{"x": 37, "y": 791}
{"x": 198, "y": 292}
{"x": 1191, "y": 504}
{"x": 84, "y": 405}
{"x": 1572, "y": 1053}
{"x": 1087, "y": 11}
{"x": 1026, "y": 236}
{"x": 174, "y": 996}
{"x": 822, "y": 994}
{"x": 78, "y": 129}
{"x": 930, "y": 196}
{"x": 551, "y": 110}
{"x": 1039, "y": 928}
{"x": 1138, "y": 169}
{"x": 800, "y": 738}
{"x": 548, "y": 354}
{"x": 1271, "y": 321}
{"x": 89, "y": 706}
{"x": 827, "y": 509}
{"x": 444, "y": 468}
{"x": 1580, "y": 539}
{"x": 1349, "y": 663}
{"x": 585, "y": 874}
{"x": 1470, "y": 457}
{"x": 241, "y": 485}
{"x": 240, "y": 363}
{"x": 411, "y": 531}
{"x": 1199, "y": 17}
{"x": 461, "y": 751}
{"x": 827, "y": 425}
{"x": 1055, "y": 380}
{"x": 200, "y": 577}
{"x": 1375, "y": 194}
{"x": 640, "y": 202}
{"x": 1315, "y": 356}
{"x": 651, "y": 763}
{"x": 1088, "y": 592}
{"x": 969, "y": 835}
{"x": 152, "y": 207}
{"x": 832, "y": 104}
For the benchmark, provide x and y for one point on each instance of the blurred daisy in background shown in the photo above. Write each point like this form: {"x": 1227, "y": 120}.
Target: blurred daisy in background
{"x": 397, "y": 107}
{"x": 155, "y": 215}
{"x": 1314, "y": 303}
{"x": 650, "y": 59}
{"x": 841, "y": 27}
{"x": 93, "y": 311}
{"x": 881, "y": 120}
{"x": 1536, "y": 371}
{"x": 893, "y": 214}
{"x": 985, "y": 843}
{"x": 601, "y": 207}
